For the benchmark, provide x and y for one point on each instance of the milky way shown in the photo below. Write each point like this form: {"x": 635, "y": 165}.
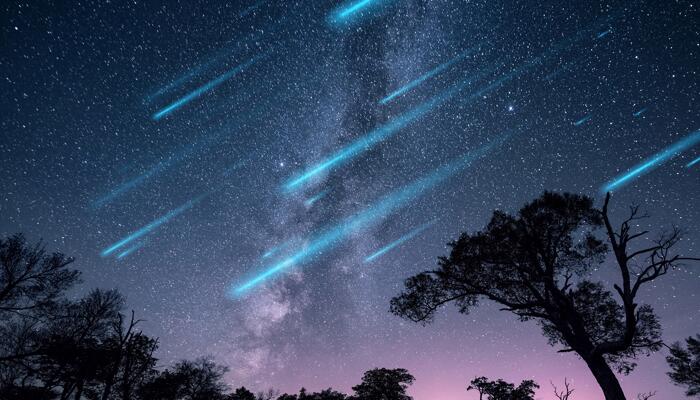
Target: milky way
{"x": 179, "y": 150}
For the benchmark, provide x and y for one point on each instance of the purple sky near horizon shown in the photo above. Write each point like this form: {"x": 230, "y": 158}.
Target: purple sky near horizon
{"x": 115, "y": 114}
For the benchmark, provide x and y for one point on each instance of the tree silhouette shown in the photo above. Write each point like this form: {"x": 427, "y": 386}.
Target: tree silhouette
{"x": 535, "y": 264}
{"x": 187, "y": 380}
{"x": 269, "y": 394}
{"x": 502, "y": 390}
{"x": 327, "y": 394}
{"x": 75, "y": 352}
{"x": 384, "y": 384}
{"x": 685, "y": 365}
{"x": 565, "y": 392}
{"x": 242, "y": 394}
{"x": 30, "y": 280}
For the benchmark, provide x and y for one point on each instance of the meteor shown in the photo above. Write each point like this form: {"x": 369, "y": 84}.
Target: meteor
{"x": 203, "y": 89}
{"x": 655, "y": 161}
{"x": 158, "y": 168}
{"x": 131, "y": 249}
{"x": 640, "y": 112}
{"x": 309, "y": 202}
{"x": 435, "y": 71}
{"x": 377, "y": 135}
{"x": 410, "y": 235}
{"x": 271, "y": 252}
{"x": 343, "y": 13}
{"x": 384, "y": 207}
{"x": 152, "y": 226}
{"x": 603, "y": 34}
{"x": 582, "y": 120}
{"x": 690, "y": 164}
{"x": 250, "y": 9}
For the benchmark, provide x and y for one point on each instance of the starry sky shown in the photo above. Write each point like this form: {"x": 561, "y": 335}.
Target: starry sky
{"x": 183, "y": 150}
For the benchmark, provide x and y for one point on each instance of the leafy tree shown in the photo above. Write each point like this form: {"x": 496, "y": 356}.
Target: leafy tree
{"x": 685, "y": 365}
{"x": 384, "y": 384}
{"x": 535, "y": 265}
{"x": 187, "y": 380}
{"x": 242, "y": 394}
{"x": 502, "y": 390}
{"x": 327, "y": 394}
{"x": 286, "y": 396}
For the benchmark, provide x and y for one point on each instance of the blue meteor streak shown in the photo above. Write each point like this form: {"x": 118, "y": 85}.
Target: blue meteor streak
{"x": 370, "y": 139}
{"x": 654, "y": 161}
{"x": 151, "y": 226}
{"x": 437, "y": 70}
{"x": 309, "y": 202}
{"x": 410, "y": 235}
{"x": 182, "y": 154}
{"x": 381, "y": 209}
{"x": 353, "y": 8}
{"x": 640, "y": 112}
{"x": 690, "y": 164}
{"x": 131, "y": 249}
{"x": 582, "y": 120}
{"x": 603, "y": 34}
{"x": 203, "y": 89}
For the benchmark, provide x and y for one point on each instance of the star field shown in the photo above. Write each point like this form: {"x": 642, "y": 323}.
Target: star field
{"x": 186, "y": 121}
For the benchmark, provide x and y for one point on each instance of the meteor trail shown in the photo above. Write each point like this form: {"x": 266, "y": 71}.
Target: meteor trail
{"x": 131, "y": 249}
{"x": 435, "y": 71}
{"x": 152, "y": 225}
{"x": 377, "y": 135}
{"x": 347, "y": 11}
{"x": 603, "y": 34}
{"x": 385, "y": 206}
{"x": 582, "y": 120}
{"x": 274, "y": 250}
{"x": 180, "y": 155}
{"x": 309, "y": 202}
{"x": 690, "y": 164}
{"x": 250, "y": 9}
{"x": 640, "y": 112}
{"x": 203, "y": 89}
{"x": 410, "y": 235}
{"x": 655, "y": 161}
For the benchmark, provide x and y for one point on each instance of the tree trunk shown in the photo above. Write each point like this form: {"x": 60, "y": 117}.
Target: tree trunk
{"x": 79, "y": 391}
{"x": 605, "y": 377}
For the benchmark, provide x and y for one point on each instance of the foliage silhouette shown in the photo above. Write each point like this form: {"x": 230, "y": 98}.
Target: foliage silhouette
{"x": 384, "y": 384}
{"x": 502, "y": 390}
{"x": 685, "y": 365}
{"x": 188, "y": 380}
{"x": 535, "y": 265}
{"x": 242, "y": 394}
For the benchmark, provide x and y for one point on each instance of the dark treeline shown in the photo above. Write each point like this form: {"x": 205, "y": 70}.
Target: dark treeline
{"x": 535, "y": 264}
{"x": 55, "y": 348}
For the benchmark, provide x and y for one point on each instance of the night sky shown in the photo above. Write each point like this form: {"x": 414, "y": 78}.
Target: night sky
{"x": 230, "y": 168}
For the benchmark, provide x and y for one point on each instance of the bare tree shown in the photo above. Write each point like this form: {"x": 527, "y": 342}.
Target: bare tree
{"x": 31, "y": 281}
{"x": 565, "y": 393}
